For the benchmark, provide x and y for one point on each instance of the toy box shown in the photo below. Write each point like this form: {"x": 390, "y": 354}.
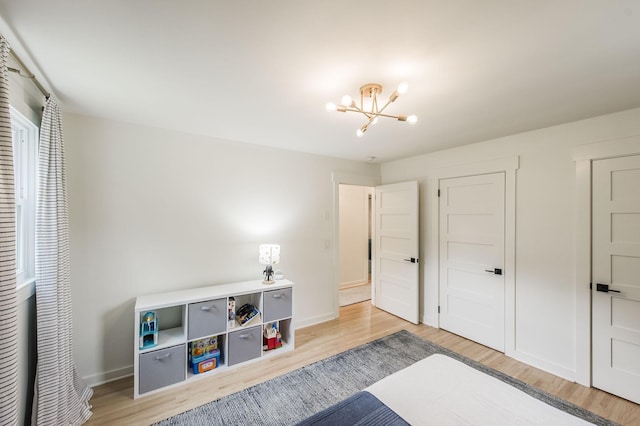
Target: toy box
{"x": 202, "y": 347}
{"x": 206, "y": 362}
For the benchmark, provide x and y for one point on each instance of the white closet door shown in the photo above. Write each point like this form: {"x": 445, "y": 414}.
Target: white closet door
{"x": 616, "y": 276}
{"x": 472, "y": 257}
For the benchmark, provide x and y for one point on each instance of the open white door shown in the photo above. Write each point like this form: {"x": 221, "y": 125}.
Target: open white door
{"x": 616, "y": 276}
{"x": 472, "y": 232}
{"x": 396, "y": 250}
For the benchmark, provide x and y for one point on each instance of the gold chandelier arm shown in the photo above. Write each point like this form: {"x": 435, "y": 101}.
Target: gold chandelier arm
{"x": 386, "y": 105}
{"x": 354, "y": 108}
{"x": 372, "y": 115}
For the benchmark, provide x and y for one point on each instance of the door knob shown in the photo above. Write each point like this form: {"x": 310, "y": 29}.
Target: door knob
{"x": 605, "y": 288}
{"x": 497, "y": 271}
{"x": 412, "y": 260}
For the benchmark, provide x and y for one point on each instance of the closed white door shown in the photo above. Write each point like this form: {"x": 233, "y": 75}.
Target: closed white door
{"x": 472, "y": 257}
{"x": 396, "y": 250}
{"x": 616, "y": 276}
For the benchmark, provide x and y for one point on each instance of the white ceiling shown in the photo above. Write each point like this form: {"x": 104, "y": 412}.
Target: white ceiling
{"x": 262, "y": 71}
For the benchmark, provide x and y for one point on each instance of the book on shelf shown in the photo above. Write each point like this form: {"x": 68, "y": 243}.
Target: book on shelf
{"x": 246, "y": 314}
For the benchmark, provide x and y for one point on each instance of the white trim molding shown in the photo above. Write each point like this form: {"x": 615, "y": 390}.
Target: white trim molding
{"x": 583, "y": 156}
{"x": 94, "y": 380}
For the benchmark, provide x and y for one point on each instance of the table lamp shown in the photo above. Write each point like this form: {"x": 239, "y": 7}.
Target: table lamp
{"x": 269, "y": 255}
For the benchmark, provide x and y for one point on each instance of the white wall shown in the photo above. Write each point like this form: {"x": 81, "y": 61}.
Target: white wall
{"x": 153, "y": 210}
{"x": 354, "y": 235}
{"x": 545, "y": 326}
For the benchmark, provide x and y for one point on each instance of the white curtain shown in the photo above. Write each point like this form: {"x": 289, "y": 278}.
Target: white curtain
{"x": 60, "y": 396}
{"x": 8, "y": 298}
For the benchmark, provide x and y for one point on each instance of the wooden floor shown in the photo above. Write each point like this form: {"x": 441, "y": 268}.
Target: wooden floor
{"x": 113, "y": 402}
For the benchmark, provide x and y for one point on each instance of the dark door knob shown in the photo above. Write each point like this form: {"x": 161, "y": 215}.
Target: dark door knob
{"x": 605, "y": 288}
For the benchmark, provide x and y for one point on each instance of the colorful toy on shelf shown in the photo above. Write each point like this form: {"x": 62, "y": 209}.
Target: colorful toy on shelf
{"x": 201, "y": 364}
{"x": 204, "y": 354}
{"x": 149, "y": 330}
{"x": 203, "y": 346}
{"x": 271, "y": 338}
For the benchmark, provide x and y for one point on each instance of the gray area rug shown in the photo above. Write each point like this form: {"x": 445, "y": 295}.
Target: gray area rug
{"x": 292, "y": 397}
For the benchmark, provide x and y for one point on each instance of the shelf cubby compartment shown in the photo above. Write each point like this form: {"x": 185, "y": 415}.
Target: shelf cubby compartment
{"x": 283, "y": 340}
{"x": 204, "y": 367}
{"x": 170, "y": 328}
{"x": 207, "y": 318}
{"x": 254, "y": 299}
{"x": 245, "y": 344}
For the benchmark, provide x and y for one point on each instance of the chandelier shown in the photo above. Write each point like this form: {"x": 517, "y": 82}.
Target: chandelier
{"x": 369, "y": 105}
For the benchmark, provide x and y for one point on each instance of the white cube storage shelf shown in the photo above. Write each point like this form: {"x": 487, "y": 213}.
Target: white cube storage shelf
{"x": 184, "y": 316}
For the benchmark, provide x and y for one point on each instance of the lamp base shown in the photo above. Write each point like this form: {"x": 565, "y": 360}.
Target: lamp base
{"x": 268, "y": 275}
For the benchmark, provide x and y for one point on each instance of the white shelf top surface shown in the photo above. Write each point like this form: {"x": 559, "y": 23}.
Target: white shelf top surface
{"x": 180, "y": 297}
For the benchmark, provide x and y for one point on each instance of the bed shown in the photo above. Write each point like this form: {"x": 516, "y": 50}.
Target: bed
{"x": 440, "y": 390}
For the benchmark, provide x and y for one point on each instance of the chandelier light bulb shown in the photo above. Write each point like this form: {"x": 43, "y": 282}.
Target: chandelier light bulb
{"x": 412, "y": 119}
{"x": 402, "y": 88}
{"x": 331, "y": 106}
{"x": 359, "y": 133}
{"x": 346, "y": 100}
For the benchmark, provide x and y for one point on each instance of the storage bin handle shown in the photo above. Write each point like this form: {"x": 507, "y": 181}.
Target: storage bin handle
{"x": 207, "y": 308}
{"x": 165, "y": 356}
{"x": 243, "y": 336}
{"x": 277, "y": 296}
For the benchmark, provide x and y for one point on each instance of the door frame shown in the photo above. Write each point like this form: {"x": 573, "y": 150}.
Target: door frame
{"x": 583, "y": 157}
{"x": 508, "y": 165}
{"x": 337, "y": 179}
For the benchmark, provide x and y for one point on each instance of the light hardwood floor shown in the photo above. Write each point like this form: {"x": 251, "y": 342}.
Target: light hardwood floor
{"x": 113, "y": 403}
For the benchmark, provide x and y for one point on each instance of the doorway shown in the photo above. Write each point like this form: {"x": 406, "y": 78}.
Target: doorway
{"x": 355, "y": 206}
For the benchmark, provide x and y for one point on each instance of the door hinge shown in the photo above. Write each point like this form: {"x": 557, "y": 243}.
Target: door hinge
{"x": 438, "y": 192}
{"x": 438, "y": 309}
{"x": 590, "y": 286}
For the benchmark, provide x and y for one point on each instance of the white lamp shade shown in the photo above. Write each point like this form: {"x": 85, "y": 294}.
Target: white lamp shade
{"x": 269, "y": 254}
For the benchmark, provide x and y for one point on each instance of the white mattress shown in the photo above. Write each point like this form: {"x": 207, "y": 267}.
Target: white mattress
{"x": 442, "y": 391}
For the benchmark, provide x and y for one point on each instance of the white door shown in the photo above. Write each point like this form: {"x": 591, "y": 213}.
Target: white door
{"x": 396, "y": 250}
{"x": 616, "y": 276}
{"x": 472, "y": 257}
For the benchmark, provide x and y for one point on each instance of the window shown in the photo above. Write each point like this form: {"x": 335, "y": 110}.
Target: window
{"x": 25, "y": 143}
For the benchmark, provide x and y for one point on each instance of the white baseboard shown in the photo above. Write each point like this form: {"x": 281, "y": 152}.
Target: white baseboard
{"x": 344, "y": 286}
{"x": 548, "y": 366}
{"x": 316, "y": 320}
{"x": 108, "y": 376}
